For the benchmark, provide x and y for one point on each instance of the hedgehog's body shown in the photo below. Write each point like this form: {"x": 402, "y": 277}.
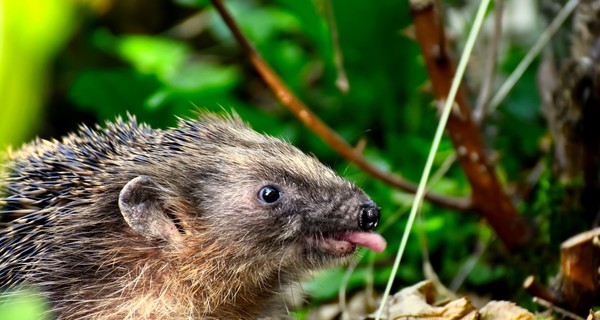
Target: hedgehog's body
{"x": 207, "y": 220}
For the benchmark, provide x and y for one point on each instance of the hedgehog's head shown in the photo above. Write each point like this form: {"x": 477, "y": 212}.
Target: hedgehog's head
{"x": 250, "y": 192}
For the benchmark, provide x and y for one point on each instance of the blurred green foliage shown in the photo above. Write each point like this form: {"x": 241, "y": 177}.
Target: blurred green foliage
{"x": 23, "y": 305}
{"x": 31, "y": 34}
{"x": 162, "y": 59}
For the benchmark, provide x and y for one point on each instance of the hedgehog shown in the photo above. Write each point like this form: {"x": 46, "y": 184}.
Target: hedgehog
{"x": 207, "y": 220}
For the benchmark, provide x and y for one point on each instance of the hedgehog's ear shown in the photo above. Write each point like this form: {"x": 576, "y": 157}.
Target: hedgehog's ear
{"x": 143, "y": 211}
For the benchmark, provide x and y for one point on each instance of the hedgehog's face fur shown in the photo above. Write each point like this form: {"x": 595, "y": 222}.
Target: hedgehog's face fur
{"x": 262, "y": 196}
{"x": 286, "y": 204}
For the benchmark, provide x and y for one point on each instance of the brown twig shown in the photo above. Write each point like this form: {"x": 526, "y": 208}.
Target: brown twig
{"x": 488, "y": 195}
{"x": 536, "y": 289}
{"x": 302, "y": 112}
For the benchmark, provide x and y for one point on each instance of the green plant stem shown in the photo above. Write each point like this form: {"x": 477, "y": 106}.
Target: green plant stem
{"x": 418, "y": 200}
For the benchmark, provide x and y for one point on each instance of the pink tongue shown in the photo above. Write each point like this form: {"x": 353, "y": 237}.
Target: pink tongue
{"x": 369, "y": 240}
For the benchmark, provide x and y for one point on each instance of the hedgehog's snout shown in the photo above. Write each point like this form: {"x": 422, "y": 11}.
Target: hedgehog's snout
{"x": 368, "y": 215}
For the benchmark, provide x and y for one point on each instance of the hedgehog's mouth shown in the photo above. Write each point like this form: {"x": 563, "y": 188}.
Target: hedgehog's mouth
{"x": 343, "y": 244}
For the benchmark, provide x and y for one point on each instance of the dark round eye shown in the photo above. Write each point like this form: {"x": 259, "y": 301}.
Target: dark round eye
{"x": 269, "y": 194}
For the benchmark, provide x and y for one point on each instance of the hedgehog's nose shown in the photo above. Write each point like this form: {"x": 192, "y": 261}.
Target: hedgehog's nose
{"x": 368, "y": 215}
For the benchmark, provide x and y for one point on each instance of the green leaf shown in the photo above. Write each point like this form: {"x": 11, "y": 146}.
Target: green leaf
{"x": 147, "y": 54}
{"x": 193, "y": 3}
{"x": 154, "y": 55}
{"x": 110, "y": 92}
{"x": 201, "y": 76}
{"x": 326, "y": 284}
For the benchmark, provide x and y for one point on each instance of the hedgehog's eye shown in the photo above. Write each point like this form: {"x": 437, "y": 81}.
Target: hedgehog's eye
{"x": 269, "y": 194}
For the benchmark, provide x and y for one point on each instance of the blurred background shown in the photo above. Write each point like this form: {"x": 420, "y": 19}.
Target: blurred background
{"x": 68, "y": 62}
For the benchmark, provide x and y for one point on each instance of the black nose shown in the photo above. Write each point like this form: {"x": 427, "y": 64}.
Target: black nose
{"x": 368, "y": 215}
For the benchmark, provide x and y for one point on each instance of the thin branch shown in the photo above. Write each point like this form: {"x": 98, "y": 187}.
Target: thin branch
{"x": 302, "y": 112}
{"x": 343, "y": 286}
{"x": 561, "y": 17}
{"x": 468, "y": 266}
{"x": 490, "y": 64}
{"x": 342, "y": 80}
{"x": 559, "y": 310}
{"x": 427, "y": 266}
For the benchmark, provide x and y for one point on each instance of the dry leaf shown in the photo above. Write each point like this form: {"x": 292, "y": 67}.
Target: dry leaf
{"x": 415, "y": 302}
{"x": 504, "y": 310}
